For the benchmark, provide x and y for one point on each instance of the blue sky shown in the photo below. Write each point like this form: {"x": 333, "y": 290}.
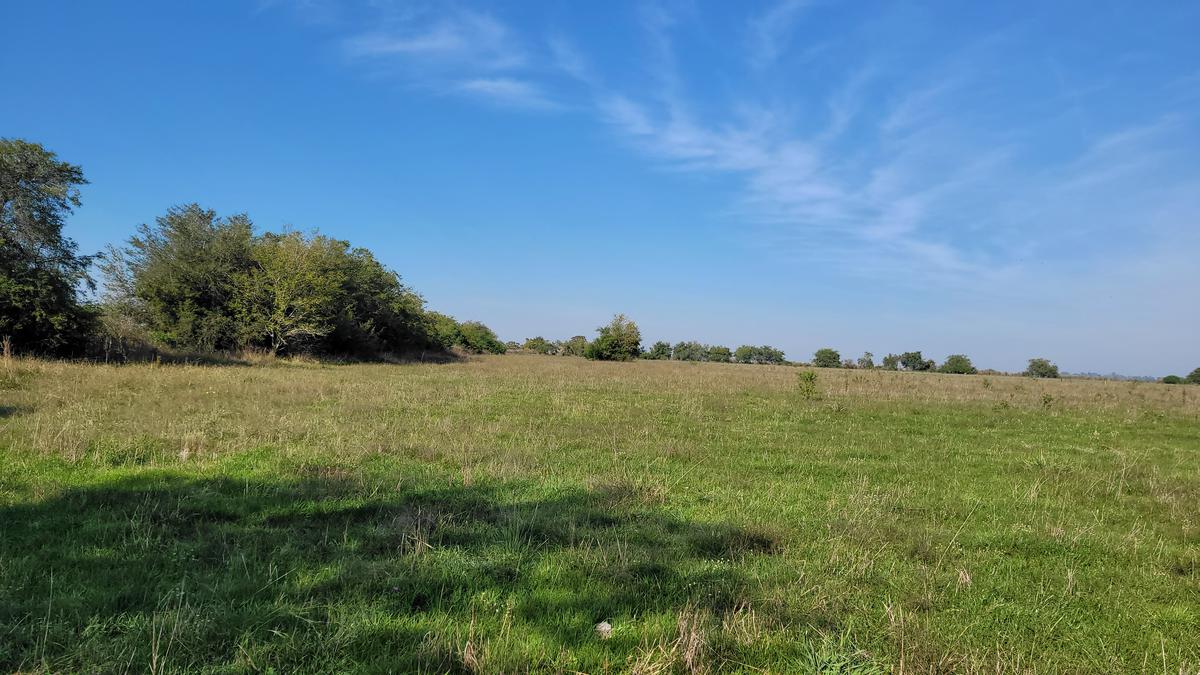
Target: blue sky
{"x": 1005, "y": 180}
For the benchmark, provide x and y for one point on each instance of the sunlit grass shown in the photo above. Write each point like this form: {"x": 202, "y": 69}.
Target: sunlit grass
{"x": 486, "y": 515}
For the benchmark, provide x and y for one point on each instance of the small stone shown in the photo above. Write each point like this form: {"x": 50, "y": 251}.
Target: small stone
{"x": 604, "y": 630}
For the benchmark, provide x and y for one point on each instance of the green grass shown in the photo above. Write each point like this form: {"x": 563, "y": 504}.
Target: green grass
{"x": 485, "y": 515}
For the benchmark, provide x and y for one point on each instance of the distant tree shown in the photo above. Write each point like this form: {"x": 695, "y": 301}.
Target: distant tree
{"x": 718, "y": 354}
{"x": 891, "y": 362}
{"x": 849, "y": 364}
{"x": 620, "y": 340}
{"x": 688, "y": 351}
{"x": 914, "y": 361}
{"x": 40, "y": 270}
{"x": 1173, "y": 379}
{"x": 659, "y": 351}
{"x": 575, "y": 346}
{"x": 958, "y": 364}
{"x": 512, "y": 344}
{"x": 1041, "y": 368}
{"x": 867, "y": 360}
{"x": 539, "y": 345}
{"x": 827, "y": 358}
{"x": 1193, "y": 377}
{"x": 759, "y": 355}
{"x": 478, "y": 338}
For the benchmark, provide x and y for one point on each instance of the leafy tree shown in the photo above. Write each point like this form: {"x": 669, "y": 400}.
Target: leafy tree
{"x": 620, "y": 340}
{"x": 891, "y": 362}
{"x": 1172, "y": 379}
{"x": 689, "y": 351}
{"x": 291, "y": 294}
{"x": 575, "y": 346}
{"x": 539, "y": 345}
{"x": 1193, "y": 377}
{"x": 478, "y": 338}
{"x": 867, "y": 360}
{"x": 40, "y": 269}
{"x": 914, "y": 361}
{"x": 443, "y": 330}
{"x": 958, "y": 364}
{"x": 659, "y": 351}
{"x": 719, "y": 354}
{"x": 379, "y": 313}
{"x": 1041, "y": 368}
{"x": 183, "y": 273}
{"x": 758, "y": 355}
{"x": 827, "y": 358}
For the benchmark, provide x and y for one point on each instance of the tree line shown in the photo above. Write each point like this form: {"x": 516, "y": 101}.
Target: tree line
{"x": 198, "y": 282}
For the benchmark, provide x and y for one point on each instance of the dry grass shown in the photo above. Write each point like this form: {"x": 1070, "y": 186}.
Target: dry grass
{"x": 921, "y": 521}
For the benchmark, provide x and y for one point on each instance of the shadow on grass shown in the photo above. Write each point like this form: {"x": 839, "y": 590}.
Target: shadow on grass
{"x": 322, "y": 574}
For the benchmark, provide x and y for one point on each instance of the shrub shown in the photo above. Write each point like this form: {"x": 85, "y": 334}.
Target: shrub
{"x": 539, "y": 345}
{"x": 1193, "y": 377}
{"x": 659, "y": 351}
{"x": 575, "y": 346}
{"x": 620, "y": 340}
{"x": 806, "y": 384}
{"x": 689, "y": 351}
{"x": 478, "y": 338}
{"x": 958, "y": 364}
{"x": 867, "y": 360}
{"x": 719, "y": 354}
{"x": 915, "y": 362}
{"x": 891, "y": 362}
{"x": 759, "y": 355}
{"x": 827, "y": 358}
{"x": 1041, "y": 368}
{"x": 1172, "y": 379}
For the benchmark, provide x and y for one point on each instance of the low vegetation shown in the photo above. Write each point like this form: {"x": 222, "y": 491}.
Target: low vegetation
{"x": 486, "y": 515}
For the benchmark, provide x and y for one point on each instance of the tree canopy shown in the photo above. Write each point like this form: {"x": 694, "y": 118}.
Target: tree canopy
{"x": 620, "y": 340}
{"x": 40, "y": 268}
{"x": 1041, "y": 368}
{"x": 958, "y": 364}
{"x": 827, "y": 358}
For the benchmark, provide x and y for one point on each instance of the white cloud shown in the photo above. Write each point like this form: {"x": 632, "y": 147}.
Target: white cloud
{"x": 508, "y": 92}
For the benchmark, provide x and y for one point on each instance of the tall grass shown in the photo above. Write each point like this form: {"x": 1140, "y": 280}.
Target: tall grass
{"x": 486, "y": 515}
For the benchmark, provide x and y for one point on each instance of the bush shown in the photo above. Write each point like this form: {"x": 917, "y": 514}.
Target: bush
{"x": 866, "y": 361}
{"x": 620, "y": 340}
{"x": 758, "y": 355}
{"x": 575, "y": 346}
{"x": 827, "y": 358}
{"x": 915, "y": 362}
{"x": 1193, "y": 377}
{"x": 539, "y": 345}
{"x": 1172, "y": 379}
{"x": 659, "y": 351}
{"x": 1041, "y": 368}
{"x": 719, "y": 354}
{"x": 958, "y": 364}
{"x": 891, "y": 362}
{"x": 689, "y": 351}
{"x": 478, "y": 338}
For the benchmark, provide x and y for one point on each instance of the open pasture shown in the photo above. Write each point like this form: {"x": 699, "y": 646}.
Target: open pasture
{"x": 485, "y": 515}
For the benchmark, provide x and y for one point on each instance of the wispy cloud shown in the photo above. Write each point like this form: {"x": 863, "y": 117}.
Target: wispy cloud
{"x": 769, "y": 32}
{"x": 460, "y": 38}
{"x": 508, "y": 92}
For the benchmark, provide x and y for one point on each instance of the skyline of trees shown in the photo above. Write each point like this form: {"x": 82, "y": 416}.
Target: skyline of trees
{"x": 199, "y": 282}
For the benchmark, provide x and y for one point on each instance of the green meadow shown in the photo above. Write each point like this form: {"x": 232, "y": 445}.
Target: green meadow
{"x": 485, "y": 515}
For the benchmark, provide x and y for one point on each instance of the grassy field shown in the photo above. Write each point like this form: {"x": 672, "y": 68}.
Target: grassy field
{"x": 486, "y": 515}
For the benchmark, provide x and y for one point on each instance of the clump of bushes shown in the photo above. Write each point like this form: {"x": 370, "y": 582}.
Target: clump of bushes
{"x": 620, "y": 340}
{"x": 1041, "y": 368}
